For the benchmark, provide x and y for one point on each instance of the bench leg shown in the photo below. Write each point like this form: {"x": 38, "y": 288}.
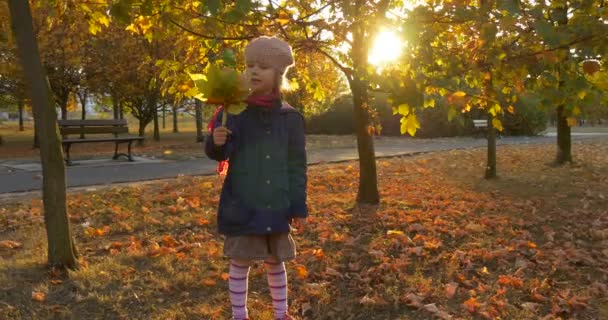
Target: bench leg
{"x": 116, "y": 155}
{"x": 66, "y": 149}
{"x": 129, "y": 152}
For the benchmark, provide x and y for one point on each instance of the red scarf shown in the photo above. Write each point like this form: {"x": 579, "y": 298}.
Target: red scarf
{"x": 262, "y": 101}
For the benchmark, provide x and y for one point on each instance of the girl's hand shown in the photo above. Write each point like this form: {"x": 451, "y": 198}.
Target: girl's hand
{"x": 220, "y": 135}
{"x": 299, "y": 223}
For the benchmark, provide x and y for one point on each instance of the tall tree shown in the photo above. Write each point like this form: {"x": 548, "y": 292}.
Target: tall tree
{"x": 61, "y": 249}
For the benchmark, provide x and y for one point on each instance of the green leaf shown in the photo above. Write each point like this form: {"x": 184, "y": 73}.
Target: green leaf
{"x": 244, "y": 5}
{"x": 236, "y": 108}
{"x": 229, "y": 58}
{"x": 452, "y": 113}
{"x": 147, "y": 8}
{"x": 511, "y": 6}
{"x": 121, "y": 10}
{"x": 213, "y": 6}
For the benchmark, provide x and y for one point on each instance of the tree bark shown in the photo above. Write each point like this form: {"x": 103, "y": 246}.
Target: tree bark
{"x": 82, "y": 96}
{"x": 156, "y": 129}
{"x": 564, "y": 138}
{"x": 115, "y": 107}
{"x": 21, "y": 128}
{"x": 164, "y": 117}
{"x": 175, "y": 128}
{"x": 36, "y": 143}
{"x": 491, "y": 167}
{"x": 61, "y": 249}
{"x": 199, "y": 121}
{"x": 368, "y": 182}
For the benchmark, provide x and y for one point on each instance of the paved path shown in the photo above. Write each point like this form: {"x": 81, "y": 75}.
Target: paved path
{"x": 20, "y": 177}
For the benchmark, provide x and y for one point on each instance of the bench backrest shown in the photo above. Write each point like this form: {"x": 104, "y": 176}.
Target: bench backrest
{"x": 67, "y": 127}
{"x": 480, "y": 123}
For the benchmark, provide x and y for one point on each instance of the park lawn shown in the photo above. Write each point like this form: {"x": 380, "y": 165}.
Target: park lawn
{"x": 443, "y": 242}
{"x": 172, "y": 146}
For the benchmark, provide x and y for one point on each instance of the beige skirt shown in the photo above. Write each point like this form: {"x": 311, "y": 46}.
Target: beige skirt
{"x": 280, "y": 246}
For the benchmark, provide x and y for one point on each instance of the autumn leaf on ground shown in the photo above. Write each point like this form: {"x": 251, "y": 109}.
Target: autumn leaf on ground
{"x": 38, "y": 296}
{"x": 209, "y": 282}
{"x": 510, "y": 281}
{"x": 9, "y": 244}
{"x": 301, "y": 272}
{"x": 450, "y": 289}
{"x": 472, "y": 304}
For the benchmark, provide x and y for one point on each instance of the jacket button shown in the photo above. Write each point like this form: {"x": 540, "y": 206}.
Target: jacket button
{"x": 267, "y": 181}
{"x": 267, "y": 156}
{"x": 269, "y": 229}
{"x": 268, "y": 206}
{"x": 267, "y": 131}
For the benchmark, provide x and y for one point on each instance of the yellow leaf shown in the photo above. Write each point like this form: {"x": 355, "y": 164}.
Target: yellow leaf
{"x": 511, "y": 109}
{"x": 576, "y": 111}
{"x": 497, "y": 124}
{"x": 404, "y": 109}
{"x": 459, "y": 94}
{"x": 571, "y": 121}
{"x": 394, "y": 232}
{"x": 582, "y": 94}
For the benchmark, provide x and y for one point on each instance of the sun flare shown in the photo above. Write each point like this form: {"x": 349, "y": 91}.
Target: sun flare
{"x": 386, "y": 49}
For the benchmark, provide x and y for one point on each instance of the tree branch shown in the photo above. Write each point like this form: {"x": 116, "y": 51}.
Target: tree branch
{"x": 205, "y": 36}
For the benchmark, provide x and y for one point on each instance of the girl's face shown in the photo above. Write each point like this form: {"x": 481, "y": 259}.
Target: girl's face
{"x": 261, "y": 77}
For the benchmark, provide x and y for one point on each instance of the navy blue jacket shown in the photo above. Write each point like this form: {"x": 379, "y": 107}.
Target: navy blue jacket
{"x": 265, "y": 186}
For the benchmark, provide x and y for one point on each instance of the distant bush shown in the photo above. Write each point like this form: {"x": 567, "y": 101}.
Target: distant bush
{"x": 433, "y": 121}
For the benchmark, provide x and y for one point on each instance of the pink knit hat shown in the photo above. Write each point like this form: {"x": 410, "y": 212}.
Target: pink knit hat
{"x": 270, "y": 51}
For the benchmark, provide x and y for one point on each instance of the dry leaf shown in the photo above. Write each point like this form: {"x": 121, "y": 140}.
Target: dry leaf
{"x": 38, "y": 296}
{"x": 450, "y": 289}
{"x": 9, "y": 244}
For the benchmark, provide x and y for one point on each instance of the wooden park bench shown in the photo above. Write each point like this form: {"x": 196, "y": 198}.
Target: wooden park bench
{"x": 89, "y": 127}
{"x": 480, "y": 126}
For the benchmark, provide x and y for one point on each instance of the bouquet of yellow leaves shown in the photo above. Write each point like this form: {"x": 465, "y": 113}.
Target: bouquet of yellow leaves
{"x": 222, "y": 86}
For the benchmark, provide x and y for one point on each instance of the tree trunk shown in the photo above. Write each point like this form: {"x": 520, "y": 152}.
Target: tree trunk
{"x": 564, "y": 139}
{"x": 82, "y": 96}
{"x": 142, "y": 128}
{"x": 21, "y": 128}
{"x": 368, "y": 183}
{"x": 199, "y": 121}
{"x": 36, "y": 144}
{"x": 488, "y": 90}
{"x": 175, "y": 129}
{"x": 64, "y": 110}
{"x": 564, "y": 142}
{"x": 156, "y": 129}
{"x": 368, "y": 179}
{"x": 164, "y": 117}
{"x": 61, "y": 249}
{"x": 115, "y": 107}
{"x": 491, "y": 167}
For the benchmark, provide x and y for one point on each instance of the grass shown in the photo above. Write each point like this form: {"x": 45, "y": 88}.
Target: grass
{"x": 172, "y": 146}
{"x": 443, "y": 242}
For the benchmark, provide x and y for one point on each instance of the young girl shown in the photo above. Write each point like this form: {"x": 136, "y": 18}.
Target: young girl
{"x": 265, "y": 186}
